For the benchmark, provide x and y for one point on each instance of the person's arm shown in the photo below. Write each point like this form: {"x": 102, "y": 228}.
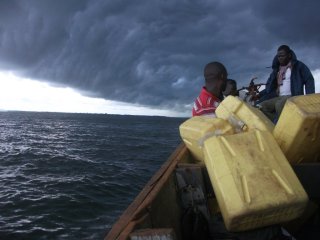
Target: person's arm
{"x": 271, "y": 84}
{"x": 308, "y": 79}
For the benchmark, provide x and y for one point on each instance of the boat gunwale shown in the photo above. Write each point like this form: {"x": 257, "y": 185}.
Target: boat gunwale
{"x": 130, "y": 217}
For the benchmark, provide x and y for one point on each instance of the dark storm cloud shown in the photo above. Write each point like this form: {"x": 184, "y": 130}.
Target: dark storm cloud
{"x": 151, "y": 52}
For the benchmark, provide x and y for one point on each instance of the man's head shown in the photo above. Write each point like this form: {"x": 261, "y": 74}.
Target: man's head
{"x": 215, "y": 75}
{"x": 231, "y": 88}
{"x": 284, "y": 55}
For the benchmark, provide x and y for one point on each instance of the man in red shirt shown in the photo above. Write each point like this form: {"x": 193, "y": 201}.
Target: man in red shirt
{"x": 215, "y": 75}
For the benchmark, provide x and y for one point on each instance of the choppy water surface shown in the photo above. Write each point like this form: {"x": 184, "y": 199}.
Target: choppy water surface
{"x": 68, "y": 176}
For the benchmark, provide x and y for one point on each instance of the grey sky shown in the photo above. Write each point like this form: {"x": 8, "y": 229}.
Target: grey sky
{"x": 152, "y": 52}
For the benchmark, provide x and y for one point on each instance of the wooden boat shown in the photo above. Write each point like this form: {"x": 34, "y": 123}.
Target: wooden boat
{"x": 157, "y": 212}
{"x": 179, "y": 201}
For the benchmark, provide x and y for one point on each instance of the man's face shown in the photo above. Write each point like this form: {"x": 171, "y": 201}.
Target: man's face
{"x": 231, "y": 89}
{"x": 283, "y": 57}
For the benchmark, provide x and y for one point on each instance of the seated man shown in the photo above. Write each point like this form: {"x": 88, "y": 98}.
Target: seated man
{"x": 215, "y": 75}
{"x": 289, "y": 78}
{"x": 231, "y": 88}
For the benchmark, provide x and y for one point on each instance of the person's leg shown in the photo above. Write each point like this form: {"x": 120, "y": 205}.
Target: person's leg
{"x": 280, "y": 104}
{"x": 268, "y": 108}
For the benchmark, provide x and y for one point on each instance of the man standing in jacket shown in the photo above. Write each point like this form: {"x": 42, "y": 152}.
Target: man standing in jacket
{"x": 289, "y": 77}
{"x": 215, "y": 75}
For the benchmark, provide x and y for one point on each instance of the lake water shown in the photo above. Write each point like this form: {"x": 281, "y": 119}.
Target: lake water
{"x": 70, "y": 176}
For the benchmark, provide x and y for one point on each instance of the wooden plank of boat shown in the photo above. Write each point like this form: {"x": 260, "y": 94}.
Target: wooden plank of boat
{"x": 137, "y": 210}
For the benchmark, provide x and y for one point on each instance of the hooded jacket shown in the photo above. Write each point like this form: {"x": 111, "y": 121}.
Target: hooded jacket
{"x": 300, "y": 77}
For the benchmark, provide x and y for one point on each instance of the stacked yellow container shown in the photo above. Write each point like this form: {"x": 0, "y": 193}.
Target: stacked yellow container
{"x": 243, "y": 116}
{"x": 196, "y": 130}
{"x": 298, "y": 129}
{"x": 253, "y": 181}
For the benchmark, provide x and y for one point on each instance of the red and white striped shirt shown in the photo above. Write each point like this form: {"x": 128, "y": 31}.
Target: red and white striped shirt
{"x": 205, "y": 104}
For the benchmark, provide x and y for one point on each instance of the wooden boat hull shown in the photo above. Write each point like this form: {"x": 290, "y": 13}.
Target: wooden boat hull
{"x": 157, "y": 210}
{"x": 158, "y": 196}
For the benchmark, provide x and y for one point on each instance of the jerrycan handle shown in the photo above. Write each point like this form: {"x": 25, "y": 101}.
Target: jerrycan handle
{"x": 237, "y": 123}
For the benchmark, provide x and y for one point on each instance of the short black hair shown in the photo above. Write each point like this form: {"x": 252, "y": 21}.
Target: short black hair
{"x": 285, "y": 48}
{"x": 232, "y": 82}
{"x": 213, "y": 71}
